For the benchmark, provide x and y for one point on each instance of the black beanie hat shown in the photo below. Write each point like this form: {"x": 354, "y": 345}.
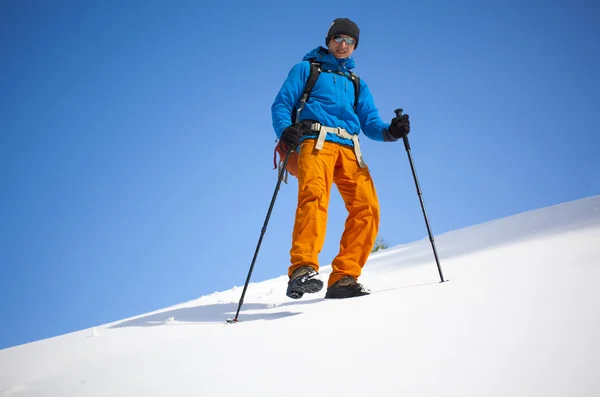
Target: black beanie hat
{"x": 343, "y": 26}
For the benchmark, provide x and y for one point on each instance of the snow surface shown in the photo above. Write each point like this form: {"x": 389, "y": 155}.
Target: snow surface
{"x": 518, "y": 317}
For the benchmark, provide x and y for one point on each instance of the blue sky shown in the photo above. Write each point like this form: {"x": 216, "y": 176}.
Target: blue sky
{"x": 137, "y": 146}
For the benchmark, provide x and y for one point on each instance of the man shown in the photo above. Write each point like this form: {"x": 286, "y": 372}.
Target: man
{"x": 326, "y": 139}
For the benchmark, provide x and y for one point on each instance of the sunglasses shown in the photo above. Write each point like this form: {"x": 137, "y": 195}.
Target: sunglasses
{"x": 348, "y": 40}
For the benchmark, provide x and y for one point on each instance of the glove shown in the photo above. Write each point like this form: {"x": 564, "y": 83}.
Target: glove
{"x": 291, "y": 137}
{"x": 399, "y": 127}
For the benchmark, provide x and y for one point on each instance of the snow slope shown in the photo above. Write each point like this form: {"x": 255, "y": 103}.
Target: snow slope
{"x": 518, "y": 317}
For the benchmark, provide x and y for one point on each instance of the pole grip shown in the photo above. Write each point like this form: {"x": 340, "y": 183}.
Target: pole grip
{"x": 405, "y": 137}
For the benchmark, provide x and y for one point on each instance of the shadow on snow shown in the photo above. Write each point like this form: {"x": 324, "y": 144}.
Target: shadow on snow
{"x": 215, "y": 313}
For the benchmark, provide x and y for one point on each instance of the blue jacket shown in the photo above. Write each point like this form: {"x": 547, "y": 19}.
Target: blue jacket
{"x": 331, "y": 101}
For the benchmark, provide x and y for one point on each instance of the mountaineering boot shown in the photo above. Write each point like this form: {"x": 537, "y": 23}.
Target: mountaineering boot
{"x": 303, "y": 281}
{"x": 346, "y": 287}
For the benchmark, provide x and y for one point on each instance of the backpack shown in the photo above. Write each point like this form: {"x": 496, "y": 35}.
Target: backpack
{"x": 281, "y": 148}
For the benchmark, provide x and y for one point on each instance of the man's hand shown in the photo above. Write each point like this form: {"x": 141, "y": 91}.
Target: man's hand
{"x": 291, "y": 137}
{"x": 399, "y": 127}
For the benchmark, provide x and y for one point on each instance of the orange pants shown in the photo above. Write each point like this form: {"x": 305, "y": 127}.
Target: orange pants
{"x": 318, "y": 169}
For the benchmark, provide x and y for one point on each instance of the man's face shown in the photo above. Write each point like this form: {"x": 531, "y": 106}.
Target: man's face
{"x": 339, "y": 47}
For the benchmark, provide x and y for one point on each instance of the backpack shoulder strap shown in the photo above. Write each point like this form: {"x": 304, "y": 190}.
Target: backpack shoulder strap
{"x": 356, "y": 81}
{"x": 315, "y": 71}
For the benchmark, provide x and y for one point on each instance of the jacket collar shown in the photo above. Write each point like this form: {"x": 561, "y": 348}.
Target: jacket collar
{"x": 329, "y": 62}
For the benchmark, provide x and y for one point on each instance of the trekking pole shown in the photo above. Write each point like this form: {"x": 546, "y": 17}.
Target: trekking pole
{"x": 262, "y": 233}
{"x": 414, "y": 172}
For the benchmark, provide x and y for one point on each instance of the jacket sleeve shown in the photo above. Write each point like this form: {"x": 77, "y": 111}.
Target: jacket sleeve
{"x": 368, "y": 115}
{"x": 288, "y": 97}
